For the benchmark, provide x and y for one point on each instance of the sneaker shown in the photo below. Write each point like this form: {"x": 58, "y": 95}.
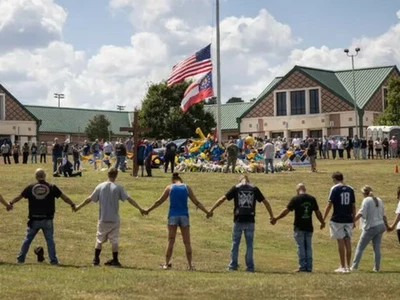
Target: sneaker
{"x": 340, "y": 270}
{"x": 96, "y": 262}
{"x": 166, "y": 266}
{"x": 352, "y": 269}
{"x": 113, "y": 263}
{"x": 346, "y": 270}
{"x": 375, "y": 270}
{"x": 39, "y": 253}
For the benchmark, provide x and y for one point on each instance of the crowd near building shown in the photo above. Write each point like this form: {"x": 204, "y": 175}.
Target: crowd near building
{"x": 306, "y": 102}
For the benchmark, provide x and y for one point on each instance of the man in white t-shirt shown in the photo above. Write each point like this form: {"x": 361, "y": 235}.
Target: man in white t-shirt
{"x": 396, "y": 223}
{"x": 108, "y": 195}
{"x": 269, "y": 154}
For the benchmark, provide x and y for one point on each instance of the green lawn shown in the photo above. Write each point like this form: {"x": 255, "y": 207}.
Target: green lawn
{"x": 143, "y": 240}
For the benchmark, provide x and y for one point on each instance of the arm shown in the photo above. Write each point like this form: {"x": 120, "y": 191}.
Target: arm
{"x": 84, "y": 203}
{"x": 354, "y": 215}
{"x": 268, "y": 207}
{"x": 327, "y": 210}
{"x": 5, "y": 203}
{"x": 16, "y": 199}
{"x": 197, "y": 202}
{"x": 283, "y": 214}
{"x": 160, "y": 200}
{"x": 357, "y": 217}
{"x": 386, "y": 223}
{"x": 67, "y": 200}
{"x": 395, "y": 222}
{"x": 134, "y": 204}
{"x": 320, "y": 218}
{"x": 218, "y": 203}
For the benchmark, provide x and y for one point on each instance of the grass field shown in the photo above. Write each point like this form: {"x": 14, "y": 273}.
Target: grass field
{"x": 143, "y": 240}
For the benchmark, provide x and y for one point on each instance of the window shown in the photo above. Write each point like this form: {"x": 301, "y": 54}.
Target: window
{"x": 2, "y": 107}
{"x": 314, "y": 101}
{"x": 385, "y": 102}
{"x": 298, "y": 103}
{"x": 298, "y": 134}
{"x": 316, "y": 134}
{"x": 277, "y": 134}
{"x": 281, "y": 104}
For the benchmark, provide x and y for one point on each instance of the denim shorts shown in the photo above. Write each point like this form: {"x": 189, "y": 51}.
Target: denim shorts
{"x": 179, "y": 221}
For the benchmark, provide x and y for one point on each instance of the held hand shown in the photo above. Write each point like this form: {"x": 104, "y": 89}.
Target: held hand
{"x": 273, "y": 221}
{"x": 143, "y": 212}
{"x": 209, "y": 214}
{"x": 9, "y": 206}
{"x": 389, "y": 229}
{"x": 322, "y": 225}
{"x": 354, "y": 225}
{"x": 77, "y": 208}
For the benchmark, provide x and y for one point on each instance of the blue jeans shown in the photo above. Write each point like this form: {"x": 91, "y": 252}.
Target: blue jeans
{"x": 33, "y": 228}
{"x": 248, "y": 229}
{"x": 55, "y": 162}
{"x": 304, "y": 249}
{"x": 356, "y": 152}
{"x": 364, "y": 153}
{"x": 270, "y": 162}
{"x": 120, "y": 163}
{"x": 373, "y": 234}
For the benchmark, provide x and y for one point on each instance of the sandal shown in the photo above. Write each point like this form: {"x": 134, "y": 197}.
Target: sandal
{"x": 166, "y": 266}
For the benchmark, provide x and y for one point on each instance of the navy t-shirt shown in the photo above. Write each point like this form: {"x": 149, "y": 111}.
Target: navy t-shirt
{"x": 41, "y": 197}
{"x": 342, "y": 198}
{"x": 245, "y": 196}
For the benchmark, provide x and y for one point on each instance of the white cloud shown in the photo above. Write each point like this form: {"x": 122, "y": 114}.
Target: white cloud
{"x": 254, "y": 50}
{"x": 30, "y": 24}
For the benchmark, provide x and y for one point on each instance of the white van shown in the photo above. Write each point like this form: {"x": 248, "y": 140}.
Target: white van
{"x": 383, "y": 132}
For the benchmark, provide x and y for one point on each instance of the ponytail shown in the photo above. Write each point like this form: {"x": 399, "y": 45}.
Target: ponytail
{"x": 367, "y": 190}
{"x": 398, "y": 192}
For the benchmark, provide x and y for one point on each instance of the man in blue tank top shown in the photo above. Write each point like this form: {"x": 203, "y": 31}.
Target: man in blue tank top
{"x": 245, "y": 196}
{"x": 342, "y": 199}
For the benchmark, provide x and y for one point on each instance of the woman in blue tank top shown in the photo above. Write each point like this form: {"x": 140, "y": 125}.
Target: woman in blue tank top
{"x": 178, "y": 216}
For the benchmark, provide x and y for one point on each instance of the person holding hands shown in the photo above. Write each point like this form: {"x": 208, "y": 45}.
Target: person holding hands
{"x": 178, "y": 216}
{"x": 108, "y": 195}
{"x": 303, "y": 206}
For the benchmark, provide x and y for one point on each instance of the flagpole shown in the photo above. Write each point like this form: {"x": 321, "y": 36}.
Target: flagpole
{"x": 219, "y": 136}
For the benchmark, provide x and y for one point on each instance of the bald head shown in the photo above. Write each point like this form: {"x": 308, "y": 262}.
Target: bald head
{"x": 40, "y": 174}
{"x": 301, "y": 188}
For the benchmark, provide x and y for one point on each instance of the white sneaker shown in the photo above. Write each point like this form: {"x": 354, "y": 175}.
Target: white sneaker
{"x": 352, "y": 269}
{"x": 375, "y": 270}
{"x": 340, "y": 270}
{"x": 346, "y": 270}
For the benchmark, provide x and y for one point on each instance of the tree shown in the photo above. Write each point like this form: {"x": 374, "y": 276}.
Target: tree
{"x": 161, "y": 112}
{"x": 391, "y": 115}
{"x": 98, "y": 128}
{"x": 235, "y": 100}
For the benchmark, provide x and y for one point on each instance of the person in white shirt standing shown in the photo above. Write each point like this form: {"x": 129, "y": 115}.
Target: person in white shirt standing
{"x": 373, "y": 223}
{"x": 269, "y": 154}
{"x": 108, "y": 195}
{"x": 378, "y": 148}
{"x": 396, "y": 223}
{"x": 393, "y": 147}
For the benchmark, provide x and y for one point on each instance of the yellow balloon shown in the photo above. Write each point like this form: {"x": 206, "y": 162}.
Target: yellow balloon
{"x": 249, "y": 140}
{"x": 202, "y": 155}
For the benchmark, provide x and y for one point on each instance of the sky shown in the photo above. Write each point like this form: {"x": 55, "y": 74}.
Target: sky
{"x": 103, "y": 53}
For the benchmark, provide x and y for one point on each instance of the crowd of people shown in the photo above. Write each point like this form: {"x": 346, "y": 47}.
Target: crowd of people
{"x": 41, "y": 197}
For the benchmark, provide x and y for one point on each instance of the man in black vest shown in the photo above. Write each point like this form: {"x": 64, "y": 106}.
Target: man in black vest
{"x": 245, "y": 195}
{"x": 41, "y": 197}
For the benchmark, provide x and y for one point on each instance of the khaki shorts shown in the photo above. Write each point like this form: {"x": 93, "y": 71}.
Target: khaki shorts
{"x": 107, "y": 231}
{"x": 341, "y": 230}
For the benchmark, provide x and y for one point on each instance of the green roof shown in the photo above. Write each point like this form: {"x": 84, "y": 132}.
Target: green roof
{"x": 368, "y": 81}
{"x": 75, "y": 120}
{"x": 229, "y": 113}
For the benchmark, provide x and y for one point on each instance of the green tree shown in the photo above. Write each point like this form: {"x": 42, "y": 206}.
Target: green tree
{"x": 235, "y": 100}
{"x": 98, "y": 128}
{"x": 391, "y": 115}
{"x": 161, "y": 112}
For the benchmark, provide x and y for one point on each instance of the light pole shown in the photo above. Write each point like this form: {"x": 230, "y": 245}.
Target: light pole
{"x": 58, "y": 96}
{"x": 354, "y": 86}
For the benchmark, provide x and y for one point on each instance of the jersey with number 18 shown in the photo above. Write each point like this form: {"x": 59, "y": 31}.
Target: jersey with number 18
{"x": 342, "y": 198}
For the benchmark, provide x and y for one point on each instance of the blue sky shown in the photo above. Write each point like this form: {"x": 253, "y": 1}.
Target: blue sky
{"x": 311, "y": 20}
{"x": 100, "y": 53}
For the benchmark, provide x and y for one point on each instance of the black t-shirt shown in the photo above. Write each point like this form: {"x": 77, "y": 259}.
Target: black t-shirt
{"x": 363, "y": 144}
{"x": 41, "y": 197}
{"x": 170, "y": 149}
{"x": 303, "y": 206}
{"x": 120, "y": 150}
{"x": 311, "y": 149}
{"x": 245, "y": 196}
{"x": 65, "y": 148}
{"x": 57, "y": 150}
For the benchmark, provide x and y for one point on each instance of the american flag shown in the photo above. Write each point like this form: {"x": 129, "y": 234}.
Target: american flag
{"x": 196, "y": 64}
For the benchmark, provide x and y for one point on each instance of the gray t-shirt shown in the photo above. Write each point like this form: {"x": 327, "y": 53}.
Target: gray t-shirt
{"x": 5, "y": 149}
{"x": 108, "y": 195}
